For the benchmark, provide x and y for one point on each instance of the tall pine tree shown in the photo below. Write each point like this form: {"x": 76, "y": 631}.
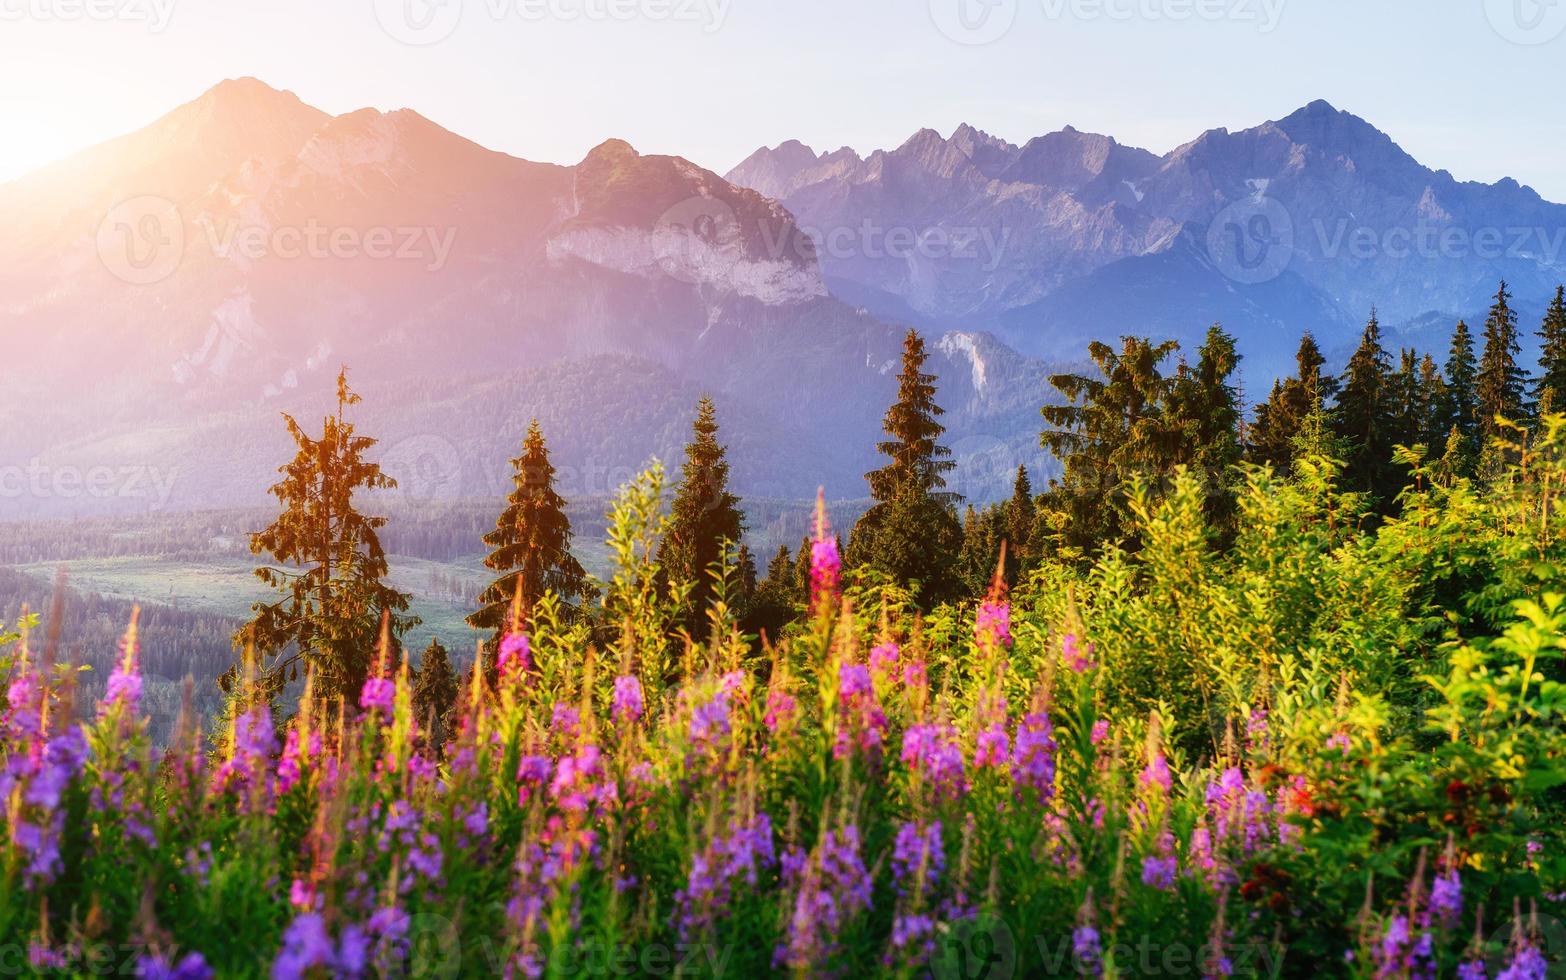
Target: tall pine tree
{"x": 1362, "y": 416}
{"x": 530, "y": 545}
{"x": 1500, "y": 384}
{"x": 328, "y": 562}
{"x": 1462, "y": 372}
{"x": 1205, "y": 407}
{"x": 1274, "y": 436}
{"x": 704, "y": 516}
{"x": 911, "y": 531}
{"x": 1114, "y": 426}
{"x": 1549, "y": 391}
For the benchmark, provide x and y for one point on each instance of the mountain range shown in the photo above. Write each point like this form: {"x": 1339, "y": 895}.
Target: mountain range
{"x": 163, "y": 296}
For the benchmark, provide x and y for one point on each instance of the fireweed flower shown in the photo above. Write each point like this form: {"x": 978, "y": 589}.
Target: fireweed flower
{"x": 1446, "y": 899}
{"x": 932, "y": 751}
{"x": 250, "y": 752}
{"x": 1159, "y": 868}
{"x": 709, "y": 724}
{"x": 826, "y": 569}
{"x": 832, "y": 887}
{"x": 192, "y": 967}
{"x": 581, "y": 780}
{"x": 1033, "y": 761}
{"x": 782, "y": 709}
{"x": 1086, "y": 946}
{"x": 739, "y": 855}
{"x": 378, "y": 694}
{"x": 516, "y": 656}
{"x": 124, "y": 688}
{"x": 993, "y": 623}
{"x": 1076, "y": 658}
{"x": 1100, "y": 731}
{"x": 1155, "y": 777}
{"x": 628, "y": 705}
{"x": 861, "y": 722}
{"x": 918, "y": 854}
{"x": 565, "y": 721}
{"x": 883, "y": 660}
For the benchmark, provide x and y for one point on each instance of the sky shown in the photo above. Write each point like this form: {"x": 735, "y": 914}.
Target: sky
{"x": 1465, "y": 85}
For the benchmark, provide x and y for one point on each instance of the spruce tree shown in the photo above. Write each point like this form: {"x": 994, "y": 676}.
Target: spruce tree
{"x": 1205, "y": 407}
{"x": 530, "y": 546}
{"x": 1114, "y": 426}
{"x": 1279, "y": 421}
{"x": 1362, "y": 417}
{"x": 1462, "y": 371}
{"x": 435, "y": 692}
{"x": 704, "y": 515}
{"x": 911, "y": 531}
{"x": 328, "y": 563}
{"x": 1549, "y": 391}
{"x": 1020, "y": 516}
{"x": 1500, "y": 383}
{"x": 1434, "y": 425}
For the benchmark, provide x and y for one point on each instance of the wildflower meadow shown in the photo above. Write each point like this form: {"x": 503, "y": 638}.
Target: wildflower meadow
{"x": 1325, "y": 748}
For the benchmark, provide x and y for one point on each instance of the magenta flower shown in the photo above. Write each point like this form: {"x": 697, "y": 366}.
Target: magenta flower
{"x": 378, "y": 694}
{"x": 826, "y": 569}
{"x": 782, "y": 709}
{"x": 628, "y": 705}
{"x": 918, "y": 851}
{"x": 993, "y": 624}
{"x": 932, "y": 750}
{"x": 516, "y": 655}
{"x": 993, "y": 749}
{"x": 883, "y": 659}
{"x": 1076, "y": 658}
{"x": 1155, "y": 778}
{"x": 1033, "y": 762}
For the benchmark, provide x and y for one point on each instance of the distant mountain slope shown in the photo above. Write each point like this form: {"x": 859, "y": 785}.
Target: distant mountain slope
{"x": 1332, "y": 218}
{"x": 210, "y": 283}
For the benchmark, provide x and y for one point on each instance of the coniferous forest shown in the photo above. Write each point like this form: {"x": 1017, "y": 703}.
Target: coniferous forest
{"x": 1239, "y": 690}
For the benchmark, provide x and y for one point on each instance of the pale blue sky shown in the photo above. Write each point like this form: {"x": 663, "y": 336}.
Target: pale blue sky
{"x": 1447, "y": 78}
